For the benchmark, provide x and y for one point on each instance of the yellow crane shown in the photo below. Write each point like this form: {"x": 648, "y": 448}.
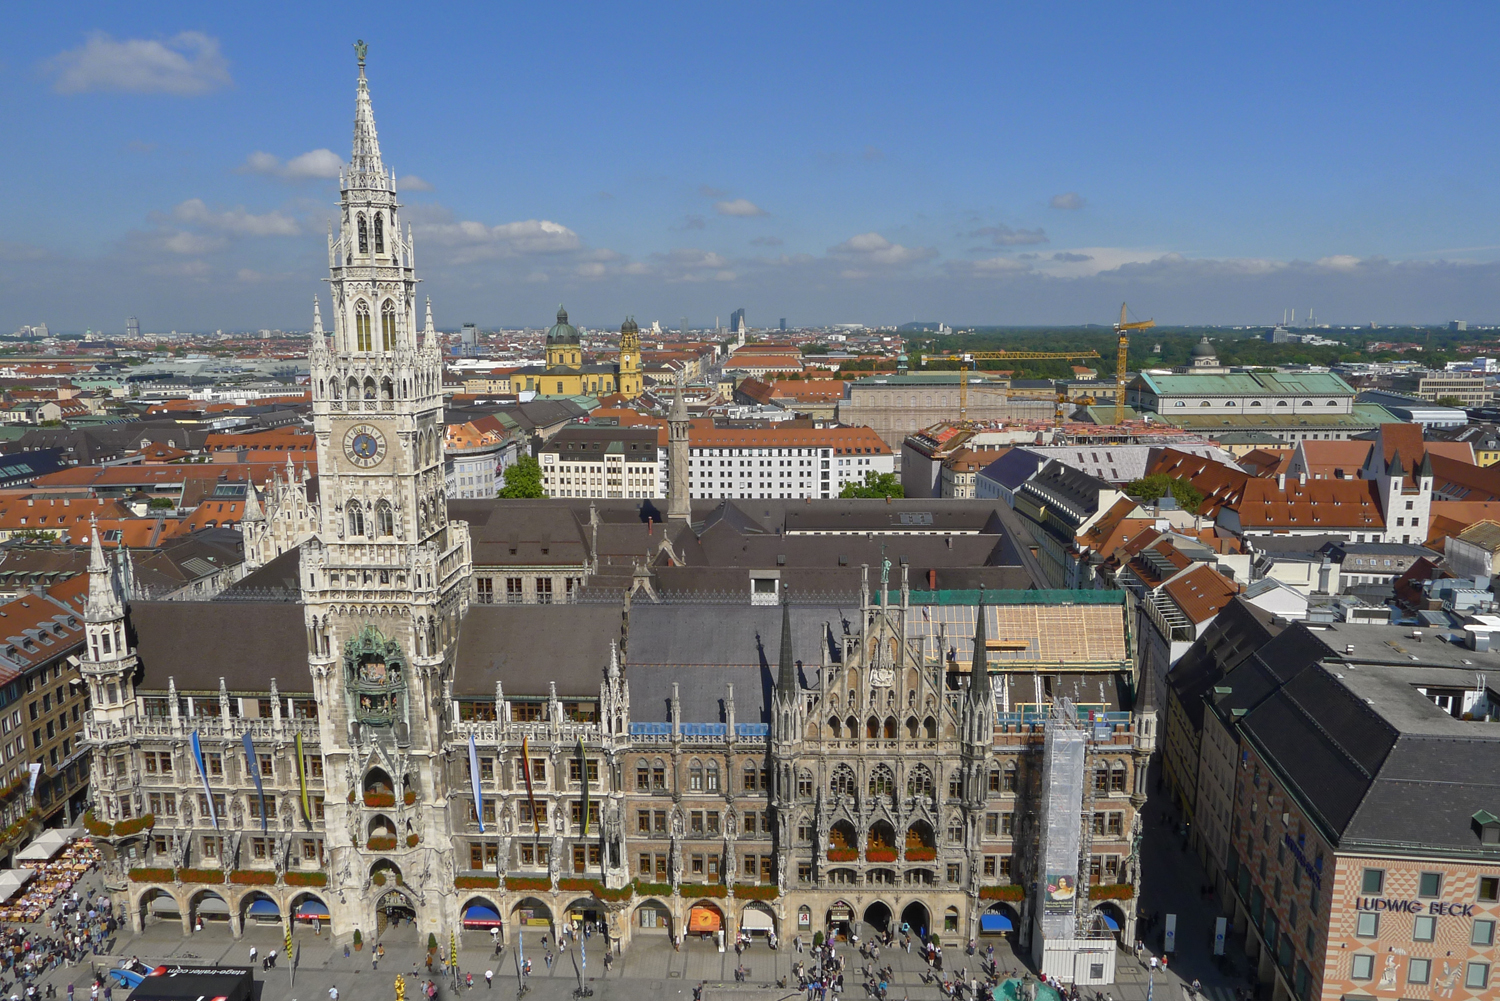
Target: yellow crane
{"x": 1121, "y": 363}
{"x": 968, "y": 359}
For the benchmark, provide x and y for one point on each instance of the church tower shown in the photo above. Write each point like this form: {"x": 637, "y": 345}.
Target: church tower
{"x": 679, "y": 506}
{"x": 385, "y": 579}
{"x": 630, "y": 360}
{"x": 107, "y": 663}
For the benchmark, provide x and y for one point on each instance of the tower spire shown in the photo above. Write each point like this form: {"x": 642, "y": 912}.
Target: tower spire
{"x": 979, "y": 667}
{"x": 679, "y": 506}
{"x": 365, "y": 168}
{"x": 786, "y": 675}
{"x": 317, "y": 318}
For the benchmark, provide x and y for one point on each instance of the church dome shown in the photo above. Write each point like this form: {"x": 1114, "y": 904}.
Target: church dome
{"x": 562, "y": 332}
{"x": 629, "y": 326}
{"x": 1203, "y": 349}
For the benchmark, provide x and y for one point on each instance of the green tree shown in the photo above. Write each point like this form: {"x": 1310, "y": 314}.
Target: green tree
{"x": 524, "y": 479}
{"x": 875, "y": 485}
{"x": 1158, "y": 485}
{"x": 1449, "y": 401}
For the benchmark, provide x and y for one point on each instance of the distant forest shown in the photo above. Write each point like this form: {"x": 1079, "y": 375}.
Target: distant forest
{"x": 1233, "y": 347}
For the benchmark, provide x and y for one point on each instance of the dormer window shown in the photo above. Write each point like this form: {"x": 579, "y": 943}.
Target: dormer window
{"x": 1488, "y": 826}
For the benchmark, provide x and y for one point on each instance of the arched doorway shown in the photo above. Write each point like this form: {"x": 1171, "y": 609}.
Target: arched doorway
{"x": 208, "y": 907}
{"x": 877, "y": 918}
{"x": 837, "y": 920}
{"x": 1001, "y": 920}
{"x": 654, "y": 917}
{"x": 757, "y": 919}
{"x": 916, "y": 921}
{"x": 530, "y": 914}
{"x": 159, "y": 905}
{"x": 379, "y": 789}
{"x": 308, "y": 907}
{"x": 1110, "y": 919}
{"x": 586, "y": 911}
{"x": 259, "y": 909}
{"x": 395, "y": 913}
{"x": 705, "y": 920}
{"x": 480, "y": 914}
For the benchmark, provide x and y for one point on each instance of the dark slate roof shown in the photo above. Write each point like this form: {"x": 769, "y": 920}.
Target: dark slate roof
{"x": 1237, "y": 632}
{"x": 198, "y": 642}
{"x": 1072, "y": 489}
{"x": 278, "y": 580}
{"x": 1013, "y": 468}
{"x": 693, "y": 635}
{"x": 526, "y": 647}
{"x": 703, "y": 691}
{"x": 1374, "y": 762}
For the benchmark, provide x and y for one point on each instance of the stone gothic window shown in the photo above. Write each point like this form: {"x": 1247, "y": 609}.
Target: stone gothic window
{"x": 843, "y": 781}
{"x": 356, "y": 520}
{"x": 387, "y": 312}
{"x": 385, "y": 521}
{"x": 919, "y": 782}
{"x": 882, "y": 781}
{"x": 379, "y": 235}
{"x": 364, "y": 236}
{"x": 362, "y": 325}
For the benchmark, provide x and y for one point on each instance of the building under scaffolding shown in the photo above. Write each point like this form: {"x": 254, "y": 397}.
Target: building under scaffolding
{"x": 1069, "y": 939}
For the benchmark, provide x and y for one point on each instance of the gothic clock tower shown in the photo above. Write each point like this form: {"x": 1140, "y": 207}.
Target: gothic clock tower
{"x": 385, "y": 580}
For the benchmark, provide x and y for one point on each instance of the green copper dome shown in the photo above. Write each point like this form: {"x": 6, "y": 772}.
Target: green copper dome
{"x": 562, "y": 332}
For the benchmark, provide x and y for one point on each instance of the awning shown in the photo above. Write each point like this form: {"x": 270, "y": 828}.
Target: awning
{"x": 479, "y": 916}
{"x": 1110, "y": 921}
{"x": 704, "y": 919}
{"x": 755, "y": 919}
{"x": 995, "y": 923}
{"x": 46, "y": 845}
{"x": 311, "y": 909}
{"x": 264, "y": 906}
{"x": 164, "y": 904}
{"x": 212, "y": 905}
{"x": 11, "y": 881}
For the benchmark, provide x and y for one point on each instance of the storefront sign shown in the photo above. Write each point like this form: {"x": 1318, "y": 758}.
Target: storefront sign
{"x": 1312, "y": 871}
{"x": 1413, "y": 906}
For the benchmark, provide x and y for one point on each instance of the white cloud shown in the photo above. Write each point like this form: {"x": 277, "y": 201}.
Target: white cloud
{"x": 875, "y": 249}
{"x": 994, "y": 266}
{"x": 739, "y": 207}
{"x": 766, "y": 241}
{"x": 474, "y": 241}
{"x": 1340, "y": 262}
{"x": 1004, "y": 236}
{"x": 184, "y": 242}
{"x": 235, "y": 221}
{"x": 186, "y": 64}
{"x": 317, "y": 164}
{"x": 1068, "y": 201}
{"x": 411, "y": 182}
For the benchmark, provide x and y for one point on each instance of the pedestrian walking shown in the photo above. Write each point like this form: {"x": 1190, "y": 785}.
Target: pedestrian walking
{"x": 333, "y": 993}
{"x": 252, "y": 953}
{"x": 489, "y": 979}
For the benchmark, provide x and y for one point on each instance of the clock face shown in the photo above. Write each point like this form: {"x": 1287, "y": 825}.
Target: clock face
{"x": 364, "y": 445}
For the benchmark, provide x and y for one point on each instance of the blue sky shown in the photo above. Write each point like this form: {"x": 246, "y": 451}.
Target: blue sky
{"x": 975, "y": 163}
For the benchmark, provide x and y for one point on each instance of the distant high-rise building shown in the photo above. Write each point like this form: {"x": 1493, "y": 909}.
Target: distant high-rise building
{"x": 737, "y": 319}
{"x": 684, "y": 326}
{"x": 468, "y": 340}
{"x": 132, "y": 328}
{"x": 1458, "y": 325}
{"x": 783, "y": 324}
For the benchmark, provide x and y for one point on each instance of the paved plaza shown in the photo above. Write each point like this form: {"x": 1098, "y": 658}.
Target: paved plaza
{"x": 651, "y": 969}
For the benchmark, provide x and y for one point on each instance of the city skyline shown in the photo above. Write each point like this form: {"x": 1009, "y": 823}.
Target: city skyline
{"x": 1009, "y": 168}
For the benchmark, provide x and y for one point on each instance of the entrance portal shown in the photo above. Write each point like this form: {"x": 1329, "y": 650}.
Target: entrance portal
{"x": 394, "y": 911}
{"x": 877, "y": 918}
{"x": 915, "y": 919}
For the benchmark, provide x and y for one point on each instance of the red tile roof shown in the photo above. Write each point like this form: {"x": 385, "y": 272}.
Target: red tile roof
{"x": 1201, "y": 592}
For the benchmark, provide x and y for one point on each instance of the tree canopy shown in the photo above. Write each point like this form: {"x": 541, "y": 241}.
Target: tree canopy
{"x": 523, "y": 479}
{"x": 875, "y": 485}
{"x": 1158, "y": 485}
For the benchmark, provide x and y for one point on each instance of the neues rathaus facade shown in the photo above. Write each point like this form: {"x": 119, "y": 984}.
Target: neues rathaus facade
{"x": 347, "y": 734}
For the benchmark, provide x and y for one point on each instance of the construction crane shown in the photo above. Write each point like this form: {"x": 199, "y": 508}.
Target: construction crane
{"x": 1123, "y": 329}
{"x": 968, "y": 359}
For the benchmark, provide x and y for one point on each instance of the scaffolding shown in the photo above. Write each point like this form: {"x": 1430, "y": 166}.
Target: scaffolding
{"x": 1065, "y": 941}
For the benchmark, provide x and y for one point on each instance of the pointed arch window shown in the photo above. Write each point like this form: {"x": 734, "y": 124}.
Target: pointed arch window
{"x": 379, "y": 234}
{"x": 361, "y": 326}
{"x": 843, "y": 783}
{"x": 882, "y": 781}
{"x": 356, "y": 520}
{"x": 919, "y": 782}
{"x": 364, "y": 235}
{"x": 387, "y": 313}
{"x": 385, "y": 521}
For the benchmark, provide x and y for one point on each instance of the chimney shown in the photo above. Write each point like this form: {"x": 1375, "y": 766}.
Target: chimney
{"x": 932, "y": 580}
